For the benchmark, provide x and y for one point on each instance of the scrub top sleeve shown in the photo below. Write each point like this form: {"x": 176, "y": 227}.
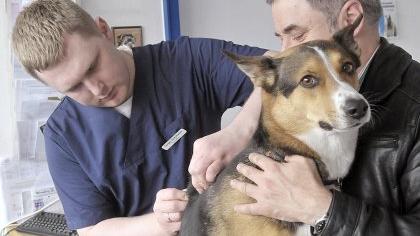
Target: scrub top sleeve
{"x": 225, "y": 85}
{"x": 84, "y": 205}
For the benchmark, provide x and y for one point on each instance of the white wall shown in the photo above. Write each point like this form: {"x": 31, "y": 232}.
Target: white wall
{"x": 409, "y": 26}
{"x": 146, "y": 13}
{"x": 6, "y": 101}
{"x": 249, "y": 22}
{"x": 241, "y": 21}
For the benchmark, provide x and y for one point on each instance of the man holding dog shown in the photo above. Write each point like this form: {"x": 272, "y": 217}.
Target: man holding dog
{"x": 380, "y": 195}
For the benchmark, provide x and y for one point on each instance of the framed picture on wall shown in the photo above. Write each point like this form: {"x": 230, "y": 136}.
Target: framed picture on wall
{"x": 128, "y": 35}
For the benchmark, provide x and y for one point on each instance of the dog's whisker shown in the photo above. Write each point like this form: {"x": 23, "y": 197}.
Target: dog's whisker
{"x": 375, "y": 118}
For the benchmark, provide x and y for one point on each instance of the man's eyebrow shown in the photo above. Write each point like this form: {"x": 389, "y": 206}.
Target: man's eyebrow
{"x": 92, "y": 63}
{"x": 71, "y": 87}
{"x": 290, "y": 28}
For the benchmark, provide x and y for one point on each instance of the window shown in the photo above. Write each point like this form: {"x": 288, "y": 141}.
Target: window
{"x": 25, "y": 104}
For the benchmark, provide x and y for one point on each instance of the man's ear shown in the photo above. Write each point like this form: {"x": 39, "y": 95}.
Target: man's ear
{"x": 345, "y": 37}
{"x": 104, "y": 28}
{"x": 349, "y": 13}
{"x": 262, "y": 70}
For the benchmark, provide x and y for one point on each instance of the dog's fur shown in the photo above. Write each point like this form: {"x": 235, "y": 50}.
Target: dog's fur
{"x": 306, "y": 94}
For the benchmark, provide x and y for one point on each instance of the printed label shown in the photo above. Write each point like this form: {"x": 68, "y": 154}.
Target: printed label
{"x": 174, "y": 139}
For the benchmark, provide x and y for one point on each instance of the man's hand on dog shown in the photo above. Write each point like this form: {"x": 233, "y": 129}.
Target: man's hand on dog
{"x": 212, "y": 153}
{"x": 290, "y": 191}
{"x": 168, "y": 208}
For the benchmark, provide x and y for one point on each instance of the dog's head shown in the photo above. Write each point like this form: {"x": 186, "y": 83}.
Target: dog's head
{"x": 312, "y": 85}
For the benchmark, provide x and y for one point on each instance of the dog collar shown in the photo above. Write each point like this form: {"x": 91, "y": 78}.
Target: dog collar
{"x": 319, "y": 226}
{"x": 333, "y": 183}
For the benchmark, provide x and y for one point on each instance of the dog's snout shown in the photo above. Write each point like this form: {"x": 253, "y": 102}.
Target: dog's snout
{"x": 356, "y": 108}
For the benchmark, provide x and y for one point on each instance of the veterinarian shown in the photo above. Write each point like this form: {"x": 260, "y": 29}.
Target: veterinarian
{"x": 125, "y": 129}
{"x": 381, "y": 194}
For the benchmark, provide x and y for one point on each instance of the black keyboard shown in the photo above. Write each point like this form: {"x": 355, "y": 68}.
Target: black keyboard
{"x": 46, "y": 223}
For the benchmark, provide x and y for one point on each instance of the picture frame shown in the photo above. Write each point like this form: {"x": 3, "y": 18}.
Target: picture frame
{"x": 127, "y": 35}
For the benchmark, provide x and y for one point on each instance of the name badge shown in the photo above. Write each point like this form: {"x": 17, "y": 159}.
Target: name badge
{"x": 174, "y": 139}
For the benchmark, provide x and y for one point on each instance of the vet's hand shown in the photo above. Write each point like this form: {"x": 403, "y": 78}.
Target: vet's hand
{"x": 291, "y": 191}
{"x": 168, "y": 208}
{"x": 211, "y": 154}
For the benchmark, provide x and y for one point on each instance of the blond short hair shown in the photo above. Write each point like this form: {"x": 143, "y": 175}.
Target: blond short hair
{"x": 38, "y": 34}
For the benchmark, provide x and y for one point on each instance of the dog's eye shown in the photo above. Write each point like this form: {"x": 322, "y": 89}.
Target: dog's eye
{"x": 309, "y": 81}
{"x": 348, "y": 68}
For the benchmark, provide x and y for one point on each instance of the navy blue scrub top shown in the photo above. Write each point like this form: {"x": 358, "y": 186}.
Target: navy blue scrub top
{"x": 105, "y": 165}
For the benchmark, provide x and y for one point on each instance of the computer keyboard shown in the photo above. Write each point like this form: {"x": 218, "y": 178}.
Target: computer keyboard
{"x": 46, "y": 223}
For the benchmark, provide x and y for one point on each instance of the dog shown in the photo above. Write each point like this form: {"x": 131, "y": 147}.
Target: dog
{"x": 310, "y": 107}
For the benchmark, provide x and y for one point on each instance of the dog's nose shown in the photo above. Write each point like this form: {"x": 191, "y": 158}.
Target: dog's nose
{"x": 356, "y": 108}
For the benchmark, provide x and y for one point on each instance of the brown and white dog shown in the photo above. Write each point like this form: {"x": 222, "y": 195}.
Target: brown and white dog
{"x": 310, "y": 107}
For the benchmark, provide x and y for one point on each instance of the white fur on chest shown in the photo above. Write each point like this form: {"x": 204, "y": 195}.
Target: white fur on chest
{"x": 336, "y": 149}
{"x": 303, "y": 230}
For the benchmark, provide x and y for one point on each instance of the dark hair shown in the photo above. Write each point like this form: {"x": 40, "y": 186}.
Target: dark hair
{"x": 331, "y": 9}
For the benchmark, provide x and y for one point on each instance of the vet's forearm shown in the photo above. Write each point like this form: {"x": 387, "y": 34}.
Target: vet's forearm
{"x": 246, "y": 122}
{"x": 138, "y": 225}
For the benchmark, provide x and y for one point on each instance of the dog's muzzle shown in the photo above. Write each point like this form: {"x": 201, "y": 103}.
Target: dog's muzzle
{"x": 356, "y": 108}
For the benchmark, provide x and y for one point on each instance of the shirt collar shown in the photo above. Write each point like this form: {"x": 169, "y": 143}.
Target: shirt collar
{"x": 125, "y": 108}
{"x": 362, "y": 73}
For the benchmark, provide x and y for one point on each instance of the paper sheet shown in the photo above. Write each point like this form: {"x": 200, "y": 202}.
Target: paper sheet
{"x": 27, "y": 186}
{"x": 388, "y": 25}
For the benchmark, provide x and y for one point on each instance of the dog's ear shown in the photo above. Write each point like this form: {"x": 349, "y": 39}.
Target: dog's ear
{"x": 345, "y": 37}
{"x": 262, "y": 70}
